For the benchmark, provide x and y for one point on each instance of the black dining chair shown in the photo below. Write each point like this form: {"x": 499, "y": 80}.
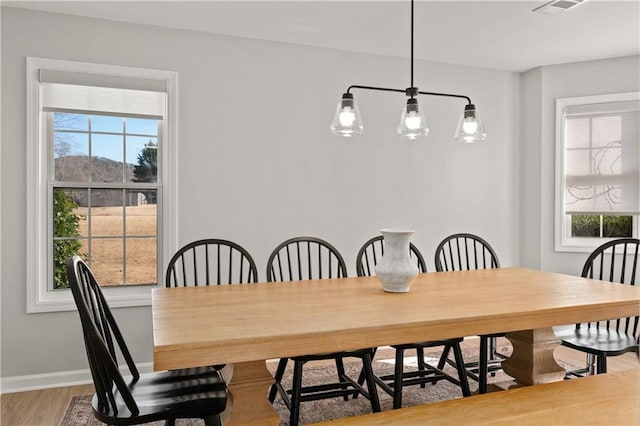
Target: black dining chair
{"x": 464, "y": 252}
{"x": 615, "y": 261}
{"x": 310, "y": 258}
{"x": 211, "y": 261}
{"x": 366, "y": 259}
{"x": 137, "y": 398}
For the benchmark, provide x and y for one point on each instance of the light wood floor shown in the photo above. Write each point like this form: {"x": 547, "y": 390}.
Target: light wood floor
{"x": 46, "y": 407}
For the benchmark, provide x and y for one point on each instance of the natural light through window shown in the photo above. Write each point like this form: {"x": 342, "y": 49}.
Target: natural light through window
{"x": 598, "y": 173}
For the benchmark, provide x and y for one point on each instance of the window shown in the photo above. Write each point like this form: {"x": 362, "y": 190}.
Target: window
{"x": 598, "y": 170}
{"x": 101, "y": 152}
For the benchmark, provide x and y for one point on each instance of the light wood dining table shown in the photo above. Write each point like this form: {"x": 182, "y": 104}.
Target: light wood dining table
{"x": 246, "y": 325}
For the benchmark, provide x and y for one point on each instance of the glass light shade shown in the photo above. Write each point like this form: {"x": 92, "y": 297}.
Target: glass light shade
{"x": 347, "y": 121}
{"x": 470, "y": 128}
{"x": 412, "y": 122}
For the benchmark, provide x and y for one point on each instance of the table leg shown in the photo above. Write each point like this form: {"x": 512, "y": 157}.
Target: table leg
{"x": 248, "y": 384}
{"x": 532, "y": 360}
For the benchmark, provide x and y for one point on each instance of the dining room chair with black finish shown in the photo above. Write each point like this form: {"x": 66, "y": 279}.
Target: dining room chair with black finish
{"x": 464, "y": 252}
{"x": 311, "y": 258}
{"x": 366, "y": 259}
{"x": 198, "y": 393}
{"x": 615, "y": 261}
{"x": 211, "y": 261}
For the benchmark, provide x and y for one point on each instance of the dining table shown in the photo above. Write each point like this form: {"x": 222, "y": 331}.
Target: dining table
{"x": 246, "y": 325}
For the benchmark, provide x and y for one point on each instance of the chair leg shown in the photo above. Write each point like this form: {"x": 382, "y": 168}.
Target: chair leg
{"x": 444, "y": 357}
{"x": 296, "y": 391}
{"x": 602, "y": 364}
{"x": 591, "y": 364}
{"x": 212, "y": 421}
{"x": 462, "y": 372}
{"x": 282, "y": 365}
{"x": 483, "y": 365}
{"x": 367, "y": 361}
{"x": 171, "y": 422}
{"x": 397, "y": 379}
{"x": 493, "y": 351}
{"x": 361, "y": 377}
{"x": 421, "y": 367}
{"x": 341, "y": 374}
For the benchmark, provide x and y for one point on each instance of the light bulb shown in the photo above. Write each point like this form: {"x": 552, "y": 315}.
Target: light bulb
{"x": 413, "y": 121}
{"x": 347, "y": 117}
{"x": 469, "y": 126}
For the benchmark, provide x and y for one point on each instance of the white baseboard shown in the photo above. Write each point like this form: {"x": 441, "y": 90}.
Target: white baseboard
{"x": 55, "y": 380}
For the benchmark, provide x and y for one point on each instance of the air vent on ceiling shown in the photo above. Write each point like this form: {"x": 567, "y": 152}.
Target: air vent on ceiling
{"x": 556, "y": 7}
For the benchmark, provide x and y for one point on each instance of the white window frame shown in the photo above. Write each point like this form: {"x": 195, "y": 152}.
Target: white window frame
{"x": 39, "y": 297}
{"x": 563, "y": 241}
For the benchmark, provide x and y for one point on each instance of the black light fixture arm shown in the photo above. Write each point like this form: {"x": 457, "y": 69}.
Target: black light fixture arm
{"x": 411, "y": 91}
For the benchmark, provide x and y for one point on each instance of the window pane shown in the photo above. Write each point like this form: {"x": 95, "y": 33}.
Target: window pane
{"x": 607, "y": 159}
{"x": 577, "y": 132}
{"x": 606, "y": 130}
{"x": 578, "y": 162}
{"x": 142, "y": 152}
{"x": 107, "y": 260}
{"x": 103, "y": 123}
{"x": 585, "y": 226}
{"x": 142, "y": 126}
{"x": 66, "y": 230}
{"x": 107, "y": 158}
{"x": 71, "y": 156}
{"x": 107, "y": 213}
{"x": 142, "y": 213}
{"x": 141, "y": 260}
{"x": 617, "y": 226}
{"x": 65, "y": 121}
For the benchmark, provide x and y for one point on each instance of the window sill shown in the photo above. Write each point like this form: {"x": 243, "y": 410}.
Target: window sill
{"x": 62, "y": 300}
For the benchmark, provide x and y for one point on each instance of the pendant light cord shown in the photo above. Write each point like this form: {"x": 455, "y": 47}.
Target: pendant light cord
{"x": 411, "y": 47}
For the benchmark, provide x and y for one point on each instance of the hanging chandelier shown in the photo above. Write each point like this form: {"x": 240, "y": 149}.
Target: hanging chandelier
{"x": 348, "y": 122}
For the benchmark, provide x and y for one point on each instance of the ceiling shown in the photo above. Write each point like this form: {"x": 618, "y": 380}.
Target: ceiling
{"x": 504, "y": 35}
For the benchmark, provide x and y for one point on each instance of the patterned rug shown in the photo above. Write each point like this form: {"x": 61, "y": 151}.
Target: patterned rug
{"x": 79, "y": 410}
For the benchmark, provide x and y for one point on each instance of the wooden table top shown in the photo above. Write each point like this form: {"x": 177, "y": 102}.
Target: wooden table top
{"x": 225, "y": 324}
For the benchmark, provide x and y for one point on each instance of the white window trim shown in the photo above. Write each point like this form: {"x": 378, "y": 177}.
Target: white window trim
{"x": 39, "y": 298}
{"x": 564, "y": 243}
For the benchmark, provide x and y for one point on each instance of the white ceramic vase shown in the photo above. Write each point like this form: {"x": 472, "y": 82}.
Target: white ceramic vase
{"x": 396, "y": 271}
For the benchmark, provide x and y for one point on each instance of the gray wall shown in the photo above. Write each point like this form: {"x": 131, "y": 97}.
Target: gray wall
{"x": 257, "y": 163}
{"x": 540, "y": 89}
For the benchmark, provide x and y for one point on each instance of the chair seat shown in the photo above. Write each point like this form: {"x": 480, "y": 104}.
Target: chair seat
{"x": 597, "y": 341}
{"x": 183, "y": 393}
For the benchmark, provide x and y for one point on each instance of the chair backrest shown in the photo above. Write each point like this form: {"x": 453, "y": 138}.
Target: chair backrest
{"x": 211, "y": 261}
{"x": 305, "y": 258}
{"x": 102, "y": 338}
{"x": 373, "y": 250}
{"x": 615, "y": 261}
{"x": 460, "y": 252}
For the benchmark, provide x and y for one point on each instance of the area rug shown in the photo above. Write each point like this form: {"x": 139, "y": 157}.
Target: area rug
{"x": 79, "y": 410}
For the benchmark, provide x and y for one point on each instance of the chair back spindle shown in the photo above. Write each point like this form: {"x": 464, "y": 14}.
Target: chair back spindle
{"x": 211, "y": 262}
{"x": 305, "y": 258}
{"x": 459, "y": 252}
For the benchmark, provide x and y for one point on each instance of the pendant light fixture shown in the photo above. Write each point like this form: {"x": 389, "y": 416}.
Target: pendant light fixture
{"x": 347, "y": 121}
